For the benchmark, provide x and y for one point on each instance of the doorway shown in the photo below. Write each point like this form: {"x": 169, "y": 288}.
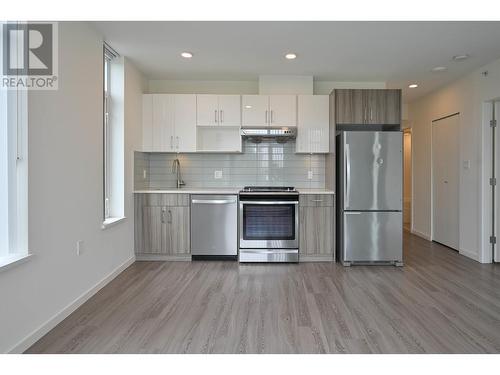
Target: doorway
{"x": 407, "y": 179}
{"x": 445, "y": 181}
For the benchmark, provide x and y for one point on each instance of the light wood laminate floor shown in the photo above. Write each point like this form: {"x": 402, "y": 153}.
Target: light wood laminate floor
{"x": 440, "y": 302}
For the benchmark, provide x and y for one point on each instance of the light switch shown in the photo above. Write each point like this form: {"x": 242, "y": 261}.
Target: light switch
{"x": 218, "y": 175}
{"x": 79, "y": 247}
{"x": 466, "y": 164}
{"x": 309, "y": 175}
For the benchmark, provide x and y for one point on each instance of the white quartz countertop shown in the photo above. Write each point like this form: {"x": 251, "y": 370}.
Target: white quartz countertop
{"x": 235, "y": 190}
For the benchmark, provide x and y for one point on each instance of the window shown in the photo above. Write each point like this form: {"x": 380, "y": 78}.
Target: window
{"x": 113, "y": 137}
{"x": 13, "y": 175}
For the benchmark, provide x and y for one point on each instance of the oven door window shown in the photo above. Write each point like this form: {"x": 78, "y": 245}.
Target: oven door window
{"x": 269, "y": 222}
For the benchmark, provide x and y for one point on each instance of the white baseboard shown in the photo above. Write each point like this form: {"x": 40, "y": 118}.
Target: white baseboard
{"x": 420, "y": 234}
{"x": 41, "y": 331}
{"x": 162, "y": 258}
{"x": 469, "y": 254}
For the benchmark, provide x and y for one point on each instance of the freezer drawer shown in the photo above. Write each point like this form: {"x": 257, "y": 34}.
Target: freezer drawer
{"x": 214, "y": 225}
{"x": 373, "y": 237}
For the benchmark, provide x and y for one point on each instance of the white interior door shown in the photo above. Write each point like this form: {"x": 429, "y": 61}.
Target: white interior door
{"x": 445, "y": 181}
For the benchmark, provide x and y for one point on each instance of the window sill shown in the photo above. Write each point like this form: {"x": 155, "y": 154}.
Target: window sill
{"x": 13, "y": 260}
{"x": 112, "y": 221}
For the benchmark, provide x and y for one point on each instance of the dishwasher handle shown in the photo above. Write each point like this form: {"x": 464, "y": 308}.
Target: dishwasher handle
{"x": 213, "y": 201}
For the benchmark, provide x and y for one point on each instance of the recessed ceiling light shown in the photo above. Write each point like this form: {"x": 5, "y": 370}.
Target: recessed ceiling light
{"x": 187, "y": 55}
{"x": 460, "y": 57}
{"x": 291, "y": 56}
{"x": 413, "y": 86}
{"x": 439, "y": 69}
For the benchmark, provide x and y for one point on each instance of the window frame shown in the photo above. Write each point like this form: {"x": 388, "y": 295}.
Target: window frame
{"x": 14, "y": 128}
{"x": 106, "y": 134}
{"x": 113, "y": 209}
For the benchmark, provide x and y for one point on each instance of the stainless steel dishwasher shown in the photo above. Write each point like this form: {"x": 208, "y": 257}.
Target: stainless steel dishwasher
{"x": 214, "y": 227}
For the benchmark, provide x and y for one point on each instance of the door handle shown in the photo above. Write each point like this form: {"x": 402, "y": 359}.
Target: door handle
{"x": 213, "y": 201}
{"x": 347, "y": 180}
{"x": 221, "y": 116}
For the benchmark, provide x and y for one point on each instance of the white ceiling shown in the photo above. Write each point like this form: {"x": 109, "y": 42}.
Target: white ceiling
{"x": 398, "y": 53}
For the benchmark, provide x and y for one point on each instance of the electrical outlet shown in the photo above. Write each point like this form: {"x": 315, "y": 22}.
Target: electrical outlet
{"x": 466, "y": 164}
{"x": 309, "y": 175}
{"x": 218, "y": 175}
{"x": 144, "y": 174}
{"x": 79, "y": 247}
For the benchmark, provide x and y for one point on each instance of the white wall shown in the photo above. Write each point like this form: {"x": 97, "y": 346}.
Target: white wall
{"x": 203, "y": 87}
{"x": 326, "y": 87}
{"x": 65, "y": 194}
{"x": 466, "y": 96}
{"x": 245, "y": 87}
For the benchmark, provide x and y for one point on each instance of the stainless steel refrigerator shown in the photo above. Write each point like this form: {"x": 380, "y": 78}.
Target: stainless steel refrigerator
{"x": 370, "y": 197}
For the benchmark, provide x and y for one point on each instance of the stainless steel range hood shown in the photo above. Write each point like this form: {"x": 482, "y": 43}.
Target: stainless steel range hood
{"x": 269, "y": 134}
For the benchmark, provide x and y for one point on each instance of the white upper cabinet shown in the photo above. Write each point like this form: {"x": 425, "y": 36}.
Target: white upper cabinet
{"x": 147, "y": 122}
{"x": 255, "y": 110}
{"x": 283, "y": 110}
{"x": 313, "y": 125}
{"x": 218, "y": 110}
{"x": 207, "y": 108}
{"x": 185, "y": 122}
{"x": 169, "y": 123}
{"x": 229, "y": 110}
{"x": 163, "y": 123}
{"x": 269, "y": 110}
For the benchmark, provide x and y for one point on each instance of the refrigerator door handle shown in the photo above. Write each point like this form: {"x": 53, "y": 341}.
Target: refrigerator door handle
{"x": 352, "y": 213}
{"x": 347, "y": 179}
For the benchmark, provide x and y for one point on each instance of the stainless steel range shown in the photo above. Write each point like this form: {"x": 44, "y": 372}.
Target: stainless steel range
{"x": 269, "y": 224}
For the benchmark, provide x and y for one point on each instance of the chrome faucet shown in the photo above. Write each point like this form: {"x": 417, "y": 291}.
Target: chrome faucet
{"x": 176, "y": 168}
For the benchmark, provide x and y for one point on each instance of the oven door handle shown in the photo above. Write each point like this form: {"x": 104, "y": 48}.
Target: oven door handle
{"x": 269, "y": 202}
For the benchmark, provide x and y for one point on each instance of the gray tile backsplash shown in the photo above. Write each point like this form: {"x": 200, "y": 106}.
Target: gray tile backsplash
{"x": 259, "y": 164}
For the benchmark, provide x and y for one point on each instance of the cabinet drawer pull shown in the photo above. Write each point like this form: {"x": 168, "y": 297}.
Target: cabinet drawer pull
{"x": 162, "y": 218}
{"x": 272, "y": 117}
{"x": 177, "y": 143}
{"x": 215, "y": 116}
{"x": 221, "y": 116}
{"x": 171, "y": 141}
{"x": 317, "y": 200}
{"x": 266, "y": 117}
{"x": 169, "y": 217}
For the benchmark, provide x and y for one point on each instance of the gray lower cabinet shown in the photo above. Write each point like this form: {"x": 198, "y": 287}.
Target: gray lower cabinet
{"x": 316, "y": 236}
{"x": 162, "y": 229}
